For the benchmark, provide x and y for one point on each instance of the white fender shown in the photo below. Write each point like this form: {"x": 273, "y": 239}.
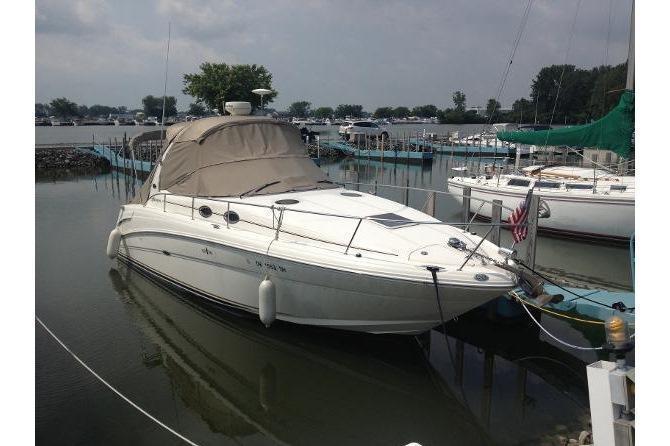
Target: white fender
{"x": 113, "y": 243}
{"x": 267, "y": 302}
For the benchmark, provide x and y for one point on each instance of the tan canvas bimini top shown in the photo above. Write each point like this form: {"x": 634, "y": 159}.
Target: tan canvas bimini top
{"x": 235, "y": 156}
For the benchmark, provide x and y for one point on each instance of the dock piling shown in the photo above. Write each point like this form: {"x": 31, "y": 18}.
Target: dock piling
{"x": 467, "y": 193}
{"x": 532, "y": 230}
{"x": 496, "y": 213}
{"x": 406, "y": 198}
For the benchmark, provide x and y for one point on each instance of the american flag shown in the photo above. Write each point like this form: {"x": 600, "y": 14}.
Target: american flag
{"x": 519, "y": 219}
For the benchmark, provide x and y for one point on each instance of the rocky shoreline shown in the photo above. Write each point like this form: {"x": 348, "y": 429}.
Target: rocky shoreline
{"x": 68, "y": 158}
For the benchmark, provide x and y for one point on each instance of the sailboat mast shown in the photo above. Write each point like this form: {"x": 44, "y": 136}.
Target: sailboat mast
{"x": 630, "y": 76}
{"x": 167, "y": 59}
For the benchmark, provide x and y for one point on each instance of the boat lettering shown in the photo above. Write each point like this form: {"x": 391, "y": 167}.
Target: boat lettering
{"x": 271, "y": 266}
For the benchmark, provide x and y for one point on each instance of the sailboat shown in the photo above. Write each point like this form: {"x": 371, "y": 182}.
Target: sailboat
{"x": 583, "y": 202}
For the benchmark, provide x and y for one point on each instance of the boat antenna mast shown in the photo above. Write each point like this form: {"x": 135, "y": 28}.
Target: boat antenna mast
{"x": 167, "y": 58}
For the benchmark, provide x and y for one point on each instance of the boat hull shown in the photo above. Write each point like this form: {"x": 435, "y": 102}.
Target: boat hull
{"x": 596, "y": 218}
{"x": 306, "y": 294}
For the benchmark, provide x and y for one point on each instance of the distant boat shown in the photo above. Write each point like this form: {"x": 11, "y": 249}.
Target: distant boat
{"x": 56, "y": 122}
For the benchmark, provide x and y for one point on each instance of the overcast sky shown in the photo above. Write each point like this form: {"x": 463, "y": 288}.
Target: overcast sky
{"x": 374, "y": 53}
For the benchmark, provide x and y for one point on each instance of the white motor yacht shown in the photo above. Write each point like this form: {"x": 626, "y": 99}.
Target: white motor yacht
{"x": 236, "y": 213}
{"x": 577, "y": 201}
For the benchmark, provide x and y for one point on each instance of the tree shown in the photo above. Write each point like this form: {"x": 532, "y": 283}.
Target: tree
{"x": 523, "y": 110}
{"x": 459, "y": 101}
{"x": 300, "y": 109}
{"x": 220, "y": 82}
{"x": 384, "y": 112}
{"x": 63, "y": 108}
{"x": 196, "y": 110}
{"x": 344, "y": 110}
{"x": 492, "y": 107}
{"x": 323, "y": 112}
{"x": 607, "y": 89}
{"x": 82, "y": 111}
{"x": 153, "y": 106}
{"x": 400, "y": 112}
{"x": 42, "y": 110}
{"x": 425, "y": 111}
{"x": 98, "y": 110}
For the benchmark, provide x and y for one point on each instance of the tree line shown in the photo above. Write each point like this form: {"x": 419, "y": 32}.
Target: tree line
{"x": 584, "y": 95}
{"x": 65, "y": 108}
{"x": 558, "y": 93}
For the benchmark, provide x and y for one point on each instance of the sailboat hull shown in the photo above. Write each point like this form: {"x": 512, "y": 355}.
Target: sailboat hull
{"x": 602, "y": 217}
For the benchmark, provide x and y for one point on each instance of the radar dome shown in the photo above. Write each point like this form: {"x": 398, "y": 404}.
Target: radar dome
{"x": 238, "y": 108}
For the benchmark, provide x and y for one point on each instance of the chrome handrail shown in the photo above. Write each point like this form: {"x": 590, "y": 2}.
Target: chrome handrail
{"x": 329, "y": 214}
{"x": 282, "y": 209}
{"x": 393, "y": 186}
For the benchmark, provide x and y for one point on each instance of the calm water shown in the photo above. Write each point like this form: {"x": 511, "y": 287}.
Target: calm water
{"x": 102, "y": 133}
{"x": 223, "y": 379}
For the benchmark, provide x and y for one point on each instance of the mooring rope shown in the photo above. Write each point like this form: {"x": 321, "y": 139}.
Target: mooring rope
{"x": 577, "y": 296}
{"x": 515, "y": 295}
{"x": 125, "y": 398}
{"x": 552, "y": 336}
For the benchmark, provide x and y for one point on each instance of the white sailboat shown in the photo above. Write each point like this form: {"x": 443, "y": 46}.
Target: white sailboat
{"x": 586, "y": 202}
{"x": 583, "y": 202}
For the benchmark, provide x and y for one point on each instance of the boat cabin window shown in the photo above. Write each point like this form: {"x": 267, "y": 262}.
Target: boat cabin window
{"x": 547, "y": 184}
{"x": 391, "y": 220}
{"x": 231, "y": 217}
{"x": 618, "y": 187}
{"x": 518, "y": 182}
{"x": 579, "y": 186}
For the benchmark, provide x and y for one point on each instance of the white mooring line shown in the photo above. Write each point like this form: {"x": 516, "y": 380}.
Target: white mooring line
{"x": 125, "y": 398}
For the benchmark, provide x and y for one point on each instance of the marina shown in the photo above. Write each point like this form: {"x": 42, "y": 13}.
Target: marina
{"x": 484, "y": 361}
{"x": 244, "y": 271}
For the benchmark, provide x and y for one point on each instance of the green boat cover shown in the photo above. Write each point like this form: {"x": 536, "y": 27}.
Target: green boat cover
{"x": 614, "y": 131}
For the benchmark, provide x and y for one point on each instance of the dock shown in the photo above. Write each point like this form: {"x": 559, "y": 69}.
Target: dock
{"x": 394, "y": 154}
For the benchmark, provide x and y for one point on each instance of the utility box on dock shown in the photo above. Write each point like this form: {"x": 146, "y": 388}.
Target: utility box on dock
{"x": 611, "y": 398}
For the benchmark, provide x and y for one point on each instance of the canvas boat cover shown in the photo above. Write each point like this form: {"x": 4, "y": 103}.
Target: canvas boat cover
{"x": 234, "y": 155}
{"x": 613, "y": 131}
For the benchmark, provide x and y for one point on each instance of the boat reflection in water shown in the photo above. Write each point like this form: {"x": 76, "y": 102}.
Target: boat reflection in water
{"x": 295, "y": 385}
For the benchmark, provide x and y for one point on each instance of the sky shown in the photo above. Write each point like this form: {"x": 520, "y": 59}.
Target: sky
{"x": 375, "y": 53}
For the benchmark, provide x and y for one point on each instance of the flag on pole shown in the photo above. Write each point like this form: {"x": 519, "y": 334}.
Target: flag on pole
{"x": 519, "y": 219}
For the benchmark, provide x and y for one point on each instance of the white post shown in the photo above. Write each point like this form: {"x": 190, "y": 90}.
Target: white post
{"x": 608, "y": 399}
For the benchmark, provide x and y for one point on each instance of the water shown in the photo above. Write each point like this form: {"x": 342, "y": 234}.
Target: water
{"x": 224, "y": 379}
{"x": 86, "y": 134}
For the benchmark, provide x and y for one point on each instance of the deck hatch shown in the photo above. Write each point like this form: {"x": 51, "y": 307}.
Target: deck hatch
{"x": 391, "y": 220}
